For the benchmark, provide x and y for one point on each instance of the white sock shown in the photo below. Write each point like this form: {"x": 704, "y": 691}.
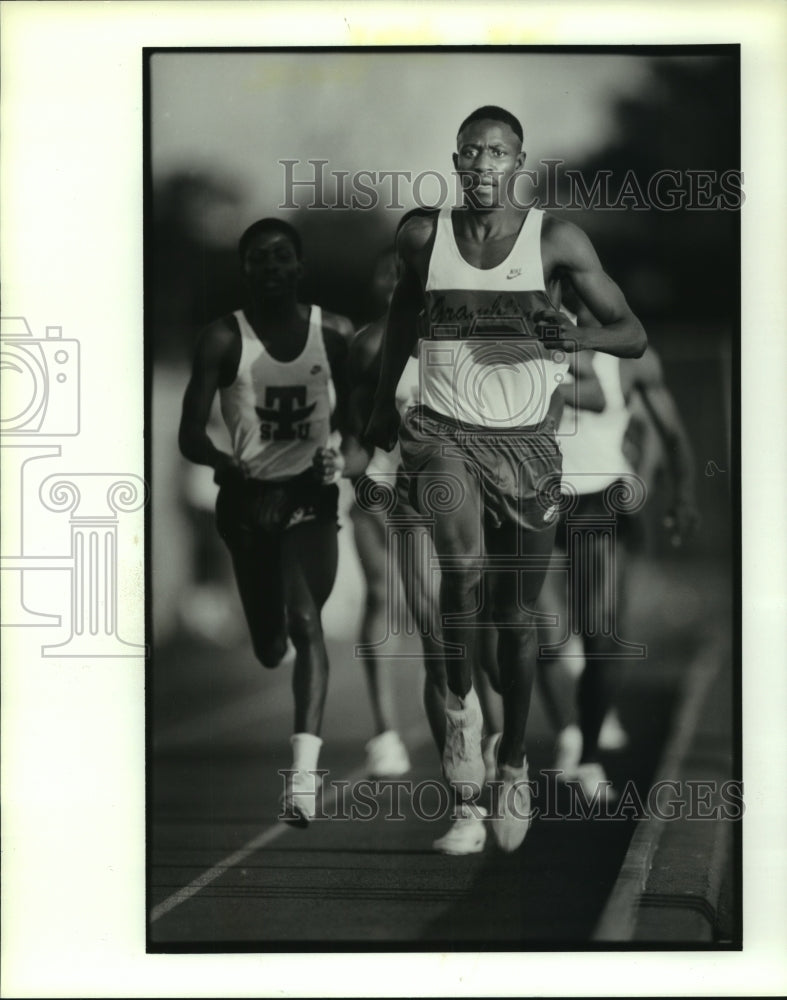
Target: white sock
{"x": 455, "y": 703}
{"x": 305, "y": 751}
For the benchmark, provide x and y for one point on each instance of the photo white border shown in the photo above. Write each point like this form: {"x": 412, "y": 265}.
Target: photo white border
{"x": 73, "y": 778}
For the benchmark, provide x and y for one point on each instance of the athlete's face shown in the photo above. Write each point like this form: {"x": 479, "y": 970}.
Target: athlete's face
{"x": 488, "y": 154}
{"x": 271, "y": 266}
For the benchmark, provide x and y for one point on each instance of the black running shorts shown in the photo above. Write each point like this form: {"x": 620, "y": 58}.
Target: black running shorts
{"x": 252, "y": 507}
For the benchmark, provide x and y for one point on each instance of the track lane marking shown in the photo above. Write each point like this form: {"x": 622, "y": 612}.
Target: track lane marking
{"x": 416, "y": 737}
{"x": 618, "y": 919}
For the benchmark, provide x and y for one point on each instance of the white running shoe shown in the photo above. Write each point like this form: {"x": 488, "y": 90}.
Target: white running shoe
{"x": 489, "y": 754}
{"x": 298, "y": 802}
{"x": 511, "y": 815}
{"x": 568, "y": 751}
{"x": 612, "y": 735}
{"x": 463, "y": 764}
{"x": 592, "y": 779}
{"x": 467, "y": 834}
{"x": 386, "y": 756}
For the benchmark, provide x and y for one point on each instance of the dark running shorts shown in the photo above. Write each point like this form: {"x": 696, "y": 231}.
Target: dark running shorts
{"x": 518, "y": 470}
{"x": 246, "y": 510}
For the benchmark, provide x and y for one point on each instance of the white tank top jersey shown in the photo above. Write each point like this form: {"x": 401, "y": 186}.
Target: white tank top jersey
{"x": 279, "y": 412}
{"x": 592, "y": 443}
{"x": 481, "y": 362}
{"x": 384, "y": 464}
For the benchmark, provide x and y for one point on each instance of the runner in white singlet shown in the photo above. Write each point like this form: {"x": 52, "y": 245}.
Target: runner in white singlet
{"x": 480, "y": 449}
{"x": 278, "y": 367}
{"x": 381, "y": 509}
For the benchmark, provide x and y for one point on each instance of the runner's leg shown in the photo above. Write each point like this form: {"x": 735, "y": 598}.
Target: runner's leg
{"x": 458, "y": 542}
{"x": 309, "y": 555}
{"x": 515, "y": 612}
{"x": 256, "y": 561}
{"x": 599, "y": 681}
{"x": 369, "y": 530}
{"x": 422, "y": 593}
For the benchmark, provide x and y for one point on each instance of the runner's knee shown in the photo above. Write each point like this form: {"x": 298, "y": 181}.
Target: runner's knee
{"x": 304, "y": 626}
{"x": 269, "y": 652}
{"x": 456, "y": 536}
{"x": 461, "y": 585}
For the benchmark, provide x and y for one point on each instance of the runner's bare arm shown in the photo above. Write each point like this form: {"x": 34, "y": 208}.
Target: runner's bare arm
{"x": 363, "y": 369}
{"x": 573, "y": 257}
{"x": 648, "y": 377}
{"x": 328, "y": 462}
{"x": 582, "y": 388}
{"x": 401, "y": 333}
{"x": 341, "y": 324}
{"x": 215, "y": 363}
{"x": 337, "y": 349}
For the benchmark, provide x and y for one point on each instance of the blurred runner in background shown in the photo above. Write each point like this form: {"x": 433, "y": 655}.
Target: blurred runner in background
{"x": 602, "y": 448}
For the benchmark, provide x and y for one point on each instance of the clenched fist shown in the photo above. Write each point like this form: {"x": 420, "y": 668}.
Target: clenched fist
{"x": 328, "y": 465}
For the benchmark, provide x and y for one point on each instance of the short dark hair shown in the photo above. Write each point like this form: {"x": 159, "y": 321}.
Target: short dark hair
{"x": 491, "y": 112}
{"x": 270, "y": 225}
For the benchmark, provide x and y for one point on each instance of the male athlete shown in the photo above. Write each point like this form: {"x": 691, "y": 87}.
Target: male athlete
{"x": 596, "y": 461}
{"x": 277, "y": 366}
{"x": 391, "y": 535}
{"x": 480, "y": 448}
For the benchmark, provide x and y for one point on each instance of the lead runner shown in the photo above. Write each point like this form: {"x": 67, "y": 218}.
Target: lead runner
{"x": 492, "y": 352}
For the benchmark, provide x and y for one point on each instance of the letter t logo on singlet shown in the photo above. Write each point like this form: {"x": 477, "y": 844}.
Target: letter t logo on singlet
{"x": 290, "y": 411}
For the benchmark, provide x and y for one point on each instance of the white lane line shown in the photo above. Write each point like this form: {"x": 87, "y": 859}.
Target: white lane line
{"x": 414, "y": 737}
{"x": 271, "y": 834}
{"x": 618, "y": 920}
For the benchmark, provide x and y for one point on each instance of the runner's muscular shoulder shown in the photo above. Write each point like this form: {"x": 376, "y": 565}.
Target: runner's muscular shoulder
{"x": 218, "y": 351}
{"x": 341, "y": 324}
{"x": 567, "y": 253}
{"x": 414, "y": 243}
{"x": 565, "y": 248}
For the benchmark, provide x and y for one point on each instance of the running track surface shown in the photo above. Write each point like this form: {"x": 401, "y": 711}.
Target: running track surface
{"x": 224, "y": 875}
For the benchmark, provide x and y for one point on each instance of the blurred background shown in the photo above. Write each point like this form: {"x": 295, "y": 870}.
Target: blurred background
{"x": 221, "y": 122}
